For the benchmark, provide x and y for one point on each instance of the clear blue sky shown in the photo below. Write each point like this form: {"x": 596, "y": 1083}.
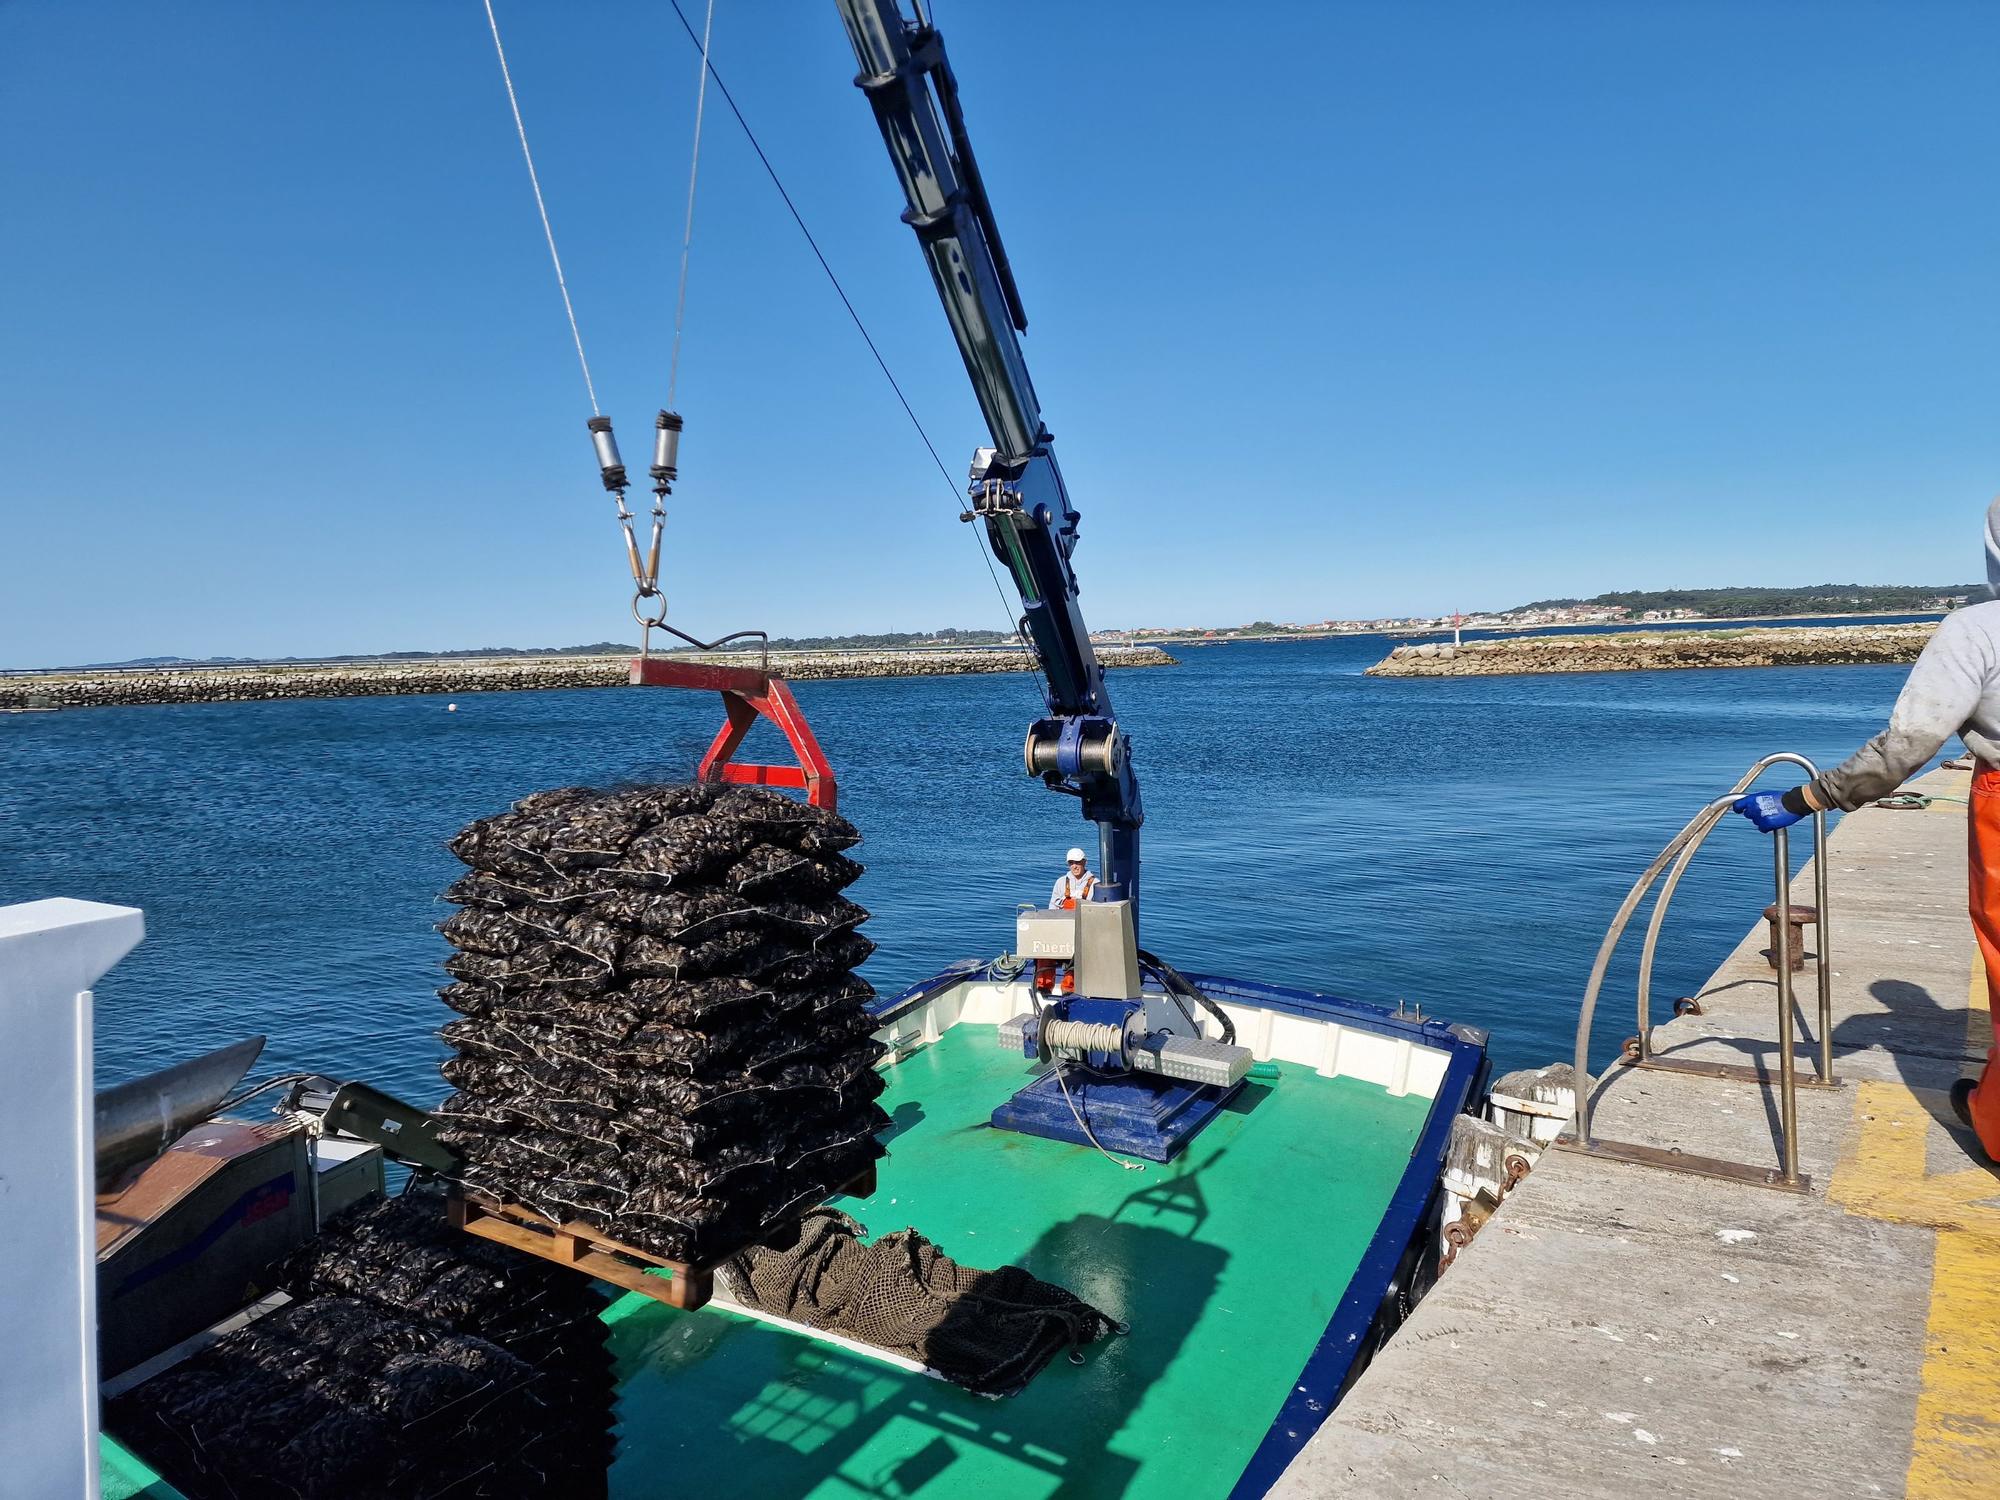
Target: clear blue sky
{"x": 1335, "y": 309}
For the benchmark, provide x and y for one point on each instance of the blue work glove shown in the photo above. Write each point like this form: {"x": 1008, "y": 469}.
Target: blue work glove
{"x": 1768, "y": 810}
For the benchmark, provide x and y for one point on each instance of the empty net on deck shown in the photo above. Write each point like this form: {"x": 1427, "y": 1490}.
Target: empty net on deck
{"x": 989, "y": 1331}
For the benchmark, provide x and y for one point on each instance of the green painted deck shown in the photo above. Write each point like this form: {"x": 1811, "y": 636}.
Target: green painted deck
{"x": 123, "y": 1475}
{"x": 1228, "y": 1263}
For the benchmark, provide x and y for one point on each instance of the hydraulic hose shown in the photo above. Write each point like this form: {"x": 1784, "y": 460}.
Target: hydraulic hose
{"x": 283, "y": 1080}
{"x": 1177, "y": 985}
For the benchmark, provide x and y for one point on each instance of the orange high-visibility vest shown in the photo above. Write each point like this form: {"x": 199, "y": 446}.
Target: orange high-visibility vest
{"x": 1089, "y": 885}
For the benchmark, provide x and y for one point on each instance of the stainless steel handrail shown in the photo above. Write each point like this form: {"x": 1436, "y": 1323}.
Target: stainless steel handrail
{"x": 1781, "y": 952}
{"x": 1820, "y": 935}
{"x": 1683, "y": 843}
{"x": 1606, "y": 948}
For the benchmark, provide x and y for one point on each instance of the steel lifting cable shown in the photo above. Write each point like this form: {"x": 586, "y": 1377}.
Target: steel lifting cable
{"x": 645, "y": 571}
{"x": 535, "y": 182}
{"x": 957, "y": 501}
{"x": 667, "y": 430}
{"x": 1084, "y": 1125}
{"x": 1061, "y": 1066}
{"x": 687, "y": 234}
{"x": 667, "y": 427}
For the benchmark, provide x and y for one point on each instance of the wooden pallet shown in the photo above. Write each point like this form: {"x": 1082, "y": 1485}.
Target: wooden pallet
{"x": 594, "y": 1253}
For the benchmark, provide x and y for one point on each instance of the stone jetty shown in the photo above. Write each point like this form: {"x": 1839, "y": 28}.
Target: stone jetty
{"x": 366, "y": 679}
{"x": 1659, "y": 650}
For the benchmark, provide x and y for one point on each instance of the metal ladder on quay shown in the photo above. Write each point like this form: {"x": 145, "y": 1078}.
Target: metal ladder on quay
{"x": 1638, "y": 1051}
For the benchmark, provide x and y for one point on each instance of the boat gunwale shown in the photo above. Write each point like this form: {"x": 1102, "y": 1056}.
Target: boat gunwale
{"x": 1316, "y": 1389}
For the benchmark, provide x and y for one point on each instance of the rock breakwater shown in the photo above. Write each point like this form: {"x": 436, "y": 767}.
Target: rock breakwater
{"x": 238, "y": 684}
{"x": 1662, "y": 650}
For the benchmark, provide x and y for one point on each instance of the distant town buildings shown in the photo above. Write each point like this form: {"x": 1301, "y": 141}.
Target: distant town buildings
{"x": 1750, "y": 604}
{"x": 1732, "y": 604}
{"x": 1574, "y": 614}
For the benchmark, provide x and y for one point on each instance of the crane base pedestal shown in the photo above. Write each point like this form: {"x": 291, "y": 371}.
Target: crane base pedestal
{"x": 1135, "y": 1115}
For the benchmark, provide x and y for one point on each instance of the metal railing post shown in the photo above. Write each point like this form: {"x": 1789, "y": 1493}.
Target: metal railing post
{"x": 1788, "y": 1099}
{"x": 1658, "y": 920}
{"x": 1824, "y": 944}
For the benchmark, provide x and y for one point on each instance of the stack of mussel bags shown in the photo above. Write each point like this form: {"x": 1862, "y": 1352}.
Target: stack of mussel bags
{"x": 412, "y": 1360}
{"x": 662, "y": 1034}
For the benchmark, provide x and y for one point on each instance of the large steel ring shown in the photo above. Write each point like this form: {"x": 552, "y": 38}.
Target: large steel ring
{"x": 640, "y": 616}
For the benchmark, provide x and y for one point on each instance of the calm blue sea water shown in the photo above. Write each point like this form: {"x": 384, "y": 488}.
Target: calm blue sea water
{"x": 1456, "y": 842}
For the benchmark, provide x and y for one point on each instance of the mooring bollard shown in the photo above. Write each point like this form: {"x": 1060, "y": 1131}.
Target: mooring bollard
{"x": 1798, "y": 917}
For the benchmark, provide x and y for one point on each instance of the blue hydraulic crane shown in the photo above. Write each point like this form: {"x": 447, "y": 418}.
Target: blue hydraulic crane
{"x": 1016, "y": 488}
{"x": 1147, "y": 1075}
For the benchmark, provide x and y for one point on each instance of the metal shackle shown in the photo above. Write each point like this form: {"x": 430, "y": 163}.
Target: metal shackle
{"x": 609, "y": 463}
{"x": 666, "y": 450}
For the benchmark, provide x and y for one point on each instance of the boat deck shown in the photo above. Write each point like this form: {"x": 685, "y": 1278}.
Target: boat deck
{"x": 1251, "y": 1271}
{"x": 1619, "y": 1329}
{"x": 1228, "y": 1263}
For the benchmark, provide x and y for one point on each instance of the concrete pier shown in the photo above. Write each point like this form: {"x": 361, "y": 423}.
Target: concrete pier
{"x": 1620, "y": 1330}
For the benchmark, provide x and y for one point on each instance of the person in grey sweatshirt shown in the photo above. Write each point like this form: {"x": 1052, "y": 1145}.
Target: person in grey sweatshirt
{"x": 1954, "y": 688}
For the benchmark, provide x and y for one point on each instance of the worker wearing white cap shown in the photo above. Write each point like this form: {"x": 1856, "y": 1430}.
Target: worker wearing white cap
{"x": 1074, "y": 884}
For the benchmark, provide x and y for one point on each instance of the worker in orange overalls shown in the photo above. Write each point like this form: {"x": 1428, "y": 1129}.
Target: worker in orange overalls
{"x": 1953, "y": 689}
{"x": 1073, "y": 885}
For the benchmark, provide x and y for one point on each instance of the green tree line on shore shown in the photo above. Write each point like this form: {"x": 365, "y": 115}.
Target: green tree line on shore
{"x": 1811, "y": 599}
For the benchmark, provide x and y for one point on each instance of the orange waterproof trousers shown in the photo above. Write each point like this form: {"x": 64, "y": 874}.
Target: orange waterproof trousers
{"x": 1983, "y": 893}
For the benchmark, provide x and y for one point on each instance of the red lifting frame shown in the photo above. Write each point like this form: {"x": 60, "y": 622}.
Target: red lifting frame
{"x": 746, "y": 694}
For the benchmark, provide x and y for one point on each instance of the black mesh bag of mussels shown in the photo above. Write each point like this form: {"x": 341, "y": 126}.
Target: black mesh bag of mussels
{"x": 413, "y": 1362}
{"x": 660, "y": 1032}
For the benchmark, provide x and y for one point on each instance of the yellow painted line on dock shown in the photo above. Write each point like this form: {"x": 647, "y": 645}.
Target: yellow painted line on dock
{"x": 1881, "y": 1174}
{"x": 1955, "y": 1439}
{"x": 1955, "y": 1442}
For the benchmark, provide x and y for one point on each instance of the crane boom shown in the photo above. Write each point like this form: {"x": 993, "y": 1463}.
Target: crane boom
{"x": 1016, "y": 488}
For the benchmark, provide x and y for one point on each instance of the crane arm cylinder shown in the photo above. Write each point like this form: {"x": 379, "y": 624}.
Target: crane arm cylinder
{"x": 1016, "y": 489}
{"x": 902, "y": 70}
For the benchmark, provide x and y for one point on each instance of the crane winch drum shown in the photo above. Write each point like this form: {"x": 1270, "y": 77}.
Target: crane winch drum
{"x": 1063, "y": 748}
